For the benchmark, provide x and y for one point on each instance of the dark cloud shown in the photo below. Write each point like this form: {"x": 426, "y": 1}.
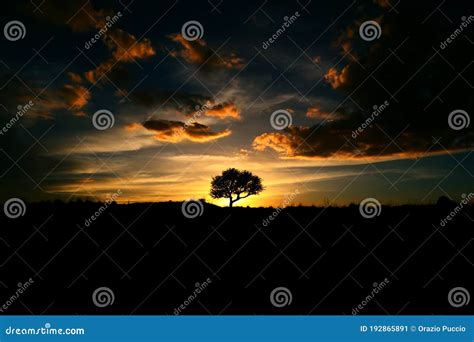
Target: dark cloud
{"x": 177, "y": 131}
{"x": 186, "y": 103}
{"x": 125, "y": 48}
{"x": 79, "y": 15}
{"x": 70, "y": 97}
{"x": 198, "y": 52}
{"x": 407, "y": 68}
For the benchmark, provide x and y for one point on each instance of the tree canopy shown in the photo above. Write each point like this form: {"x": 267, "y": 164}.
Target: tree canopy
{"x": 235, "y": 185}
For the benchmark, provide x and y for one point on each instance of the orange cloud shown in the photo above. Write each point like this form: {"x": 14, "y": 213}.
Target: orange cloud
{"x": 224, "y": 110}
{"x": 284, "y": 144}
{"x": 75, "y": 96}
{"x": 69, "y": 97}
{"x": 197, "y": 52}
{"x": 336, "y": 79}
{"x": 177, "y": 131}
{"x": 315, "y": 112}
{"x": 133, "y": 127}
{"x": 94, "y": 75}
{"x": 75, "y": 78}
{"x": 125, "y": 49}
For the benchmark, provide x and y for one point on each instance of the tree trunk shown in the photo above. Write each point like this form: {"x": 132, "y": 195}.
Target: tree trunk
{"x": 230, "y": 202}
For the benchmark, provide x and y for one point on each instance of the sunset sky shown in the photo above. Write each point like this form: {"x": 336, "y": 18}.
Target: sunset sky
{"x": 153, "y": 81}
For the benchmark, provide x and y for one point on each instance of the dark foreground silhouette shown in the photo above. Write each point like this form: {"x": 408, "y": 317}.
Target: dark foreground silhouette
{"x": 229, "y": 261}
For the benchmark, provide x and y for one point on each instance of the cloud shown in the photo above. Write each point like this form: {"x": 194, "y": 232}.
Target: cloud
{"x": 335, "y": 78}
{"x": 177, "y": 131}
{"x": 133, "y": 127}
{"x": 68, "y": 97}
{"x": 73, "y": 96}
{"x": 284, "y": 144}
{"x": 224, "y": 110}
{"x": 125, "y": 48}
{"x": 197, "y": 52}
{"x": 79, "y": 15}
{"x": 316, "y": 112}
{"x": 188, "y": 104}
{"x": 417, "y": 83}
{"x": 345, "y": 38}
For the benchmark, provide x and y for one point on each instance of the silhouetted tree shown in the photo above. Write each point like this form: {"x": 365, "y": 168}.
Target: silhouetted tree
{"x": 235, "y": 185}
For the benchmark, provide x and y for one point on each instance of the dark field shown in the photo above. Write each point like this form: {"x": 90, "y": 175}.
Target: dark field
{"x": 153, "y": 259}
